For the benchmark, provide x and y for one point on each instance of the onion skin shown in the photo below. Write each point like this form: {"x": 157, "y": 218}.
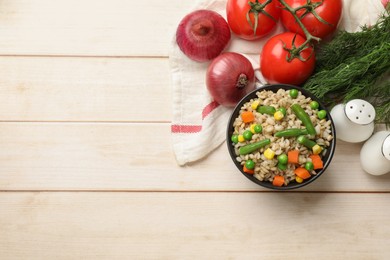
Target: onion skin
{"x": 229, "y": 78}
{"x": 202, "y": 35}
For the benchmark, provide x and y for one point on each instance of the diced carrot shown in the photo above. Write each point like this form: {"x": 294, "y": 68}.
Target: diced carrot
{"x": 293, "y": 156}
{"x": 317, "y": 161}
{"x": 247, "y": 116}
{"x": 247, "y": 170}
{"x": 278, "y": 181}
{"x": 302, "y": 173}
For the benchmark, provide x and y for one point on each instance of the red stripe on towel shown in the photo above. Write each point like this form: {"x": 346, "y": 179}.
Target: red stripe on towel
{"x": 191, "y": 129}
{"x": 209, "y": 108}
{"x": 187, "y": 129}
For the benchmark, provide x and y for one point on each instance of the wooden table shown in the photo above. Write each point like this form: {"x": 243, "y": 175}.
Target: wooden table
{"x": 86, "y": 163}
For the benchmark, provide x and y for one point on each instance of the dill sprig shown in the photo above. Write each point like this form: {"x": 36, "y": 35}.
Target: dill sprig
{"x": 355, "y": 65}
{"x": 379, "y": 95}
{"x": 347, "y": 45}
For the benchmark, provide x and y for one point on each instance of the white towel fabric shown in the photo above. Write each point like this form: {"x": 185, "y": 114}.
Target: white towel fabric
{"x": 199, "y": 124}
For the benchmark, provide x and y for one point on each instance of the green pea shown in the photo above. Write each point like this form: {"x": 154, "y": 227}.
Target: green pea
{"x": 321, "y": 114}
{"x": 283, "y": 110}
{"x": 293, "y": 93}
{"x": 247, "y": 135}
{"x": 309, "y": 166}
{"x": 314, "y": 105}
{"x": 282, "y": 159}
{"x": 282, "y": 166}
{"x": 250, "y": 165}
{"x": 258, "y": 129}
{"x": 234, "y": 139}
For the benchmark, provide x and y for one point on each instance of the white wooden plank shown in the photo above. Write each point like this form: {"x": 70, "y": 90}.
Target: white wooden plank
{"x": 84, "y": 89}
{"x": 194, "y": 226}
{"x": 73, "y": 27}
{"x": 83, "y": 156}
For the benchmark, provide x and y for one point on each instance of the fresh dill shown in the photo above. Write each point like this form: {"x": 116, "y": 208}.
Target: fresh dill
{"x": 355, "y": 65}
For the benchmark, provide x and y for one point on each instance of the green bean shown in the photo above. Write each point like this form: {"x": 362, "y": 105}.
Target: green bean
{"x": 291, "y": 132}
{"x": 269, "y": 110}
{"x": 304, "y": 117}
{"x": 306, "y": 142}
{"x": 249, "y": 148}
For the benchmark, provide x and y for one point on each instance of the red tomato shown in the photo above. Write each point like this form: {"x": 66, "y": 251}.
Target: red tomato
{"x": 274, "y": 64}
{"x": 329, "y": 10}
{"x": 236, "y": 11}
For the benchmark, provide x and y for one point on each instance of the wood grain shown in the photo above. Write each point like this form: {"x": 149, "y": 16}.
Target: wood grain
{"x": 194, "y": 226}
{"x": 114, "y": 156}
{"x": 86, "y": 163}
{"x": 84, "y": 89}
{"x": 85, "y": 28}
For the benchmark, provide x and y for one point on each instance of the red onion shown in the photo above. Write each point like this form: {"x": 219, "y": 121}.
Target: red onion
{"x": 229, "y": 78}
{"x": 202, "y": 35}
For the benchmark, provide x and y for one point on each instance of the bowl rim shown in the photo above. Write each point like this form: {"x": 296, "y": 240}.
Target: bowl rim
{"x": 274, "y": 87}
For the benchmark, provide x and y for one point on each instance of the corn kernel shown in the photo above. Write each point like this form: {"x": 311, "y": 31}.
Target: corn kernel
{"x": 241, "y": 138}
{"x": 269, "y": 154}
{"x": 255, "y": 104}
{"x": 278, "y": 115}
{"x": 317, "y": 149}
{"x": 298, "y": 179}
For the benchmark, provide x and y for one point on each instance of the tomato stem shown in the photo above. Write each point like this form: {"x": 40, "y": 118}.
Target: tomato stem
{"x": 295, "y": 52}
{"x": 310, "y": 7}
{"x": 257, "y": 8}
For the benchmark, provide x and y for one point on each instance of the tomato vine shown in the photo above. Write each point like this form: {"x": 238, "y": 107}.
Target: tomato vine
{"x": 309, "y": 7}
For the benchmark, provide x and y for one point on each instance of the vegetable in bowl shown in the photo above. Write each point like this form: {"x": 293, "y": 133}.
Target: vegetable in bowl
{"x": 289, "y": 145}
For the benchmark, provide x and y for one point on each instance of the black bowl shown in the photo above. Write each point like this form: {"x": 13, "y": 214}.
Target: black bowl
{"x": 292, "y": 185}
